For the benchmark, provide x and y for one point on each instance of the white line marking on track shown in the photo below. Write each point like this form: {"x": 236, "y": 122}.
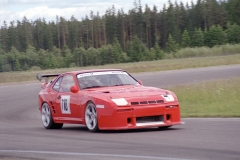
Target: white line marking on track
{"x": 92, "y": 154}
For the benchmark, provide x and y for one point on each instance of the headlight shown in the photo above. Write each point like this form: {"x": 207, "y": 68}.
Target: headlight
{"x": 168, "y": 97}
{"x": 120, "y": 101}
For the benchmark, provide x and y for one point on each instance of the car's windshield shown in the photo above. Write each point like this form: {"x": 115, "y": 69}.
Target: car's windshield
{"x": 105, "y": 79}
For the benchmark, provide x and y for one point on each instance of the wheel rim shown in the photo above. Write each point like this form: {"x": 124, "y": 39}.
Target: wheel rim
{"x": 91, "y": 116}
{"x": 45, "y": 115}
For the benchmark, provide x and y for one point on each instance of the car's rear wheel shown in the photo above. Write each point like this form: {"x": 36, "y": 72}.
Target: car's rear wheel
{"x": 91, "y": 117}
{"x": 47, "y": 120}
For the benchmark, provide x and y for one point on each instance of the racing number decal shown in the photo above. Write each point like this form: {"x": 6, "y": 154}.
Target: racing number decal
{"x": 65, "y": 104}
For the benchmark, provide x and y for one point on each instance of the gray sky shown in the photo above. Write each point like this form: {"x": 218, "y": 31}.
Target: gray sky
{"x": 16, "y": 9}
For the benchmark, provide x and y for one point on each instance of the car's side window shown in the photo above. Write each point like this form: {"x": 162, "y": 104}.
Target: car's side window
{"x": 57, "y": 84}
{"x": 67, "y": 83}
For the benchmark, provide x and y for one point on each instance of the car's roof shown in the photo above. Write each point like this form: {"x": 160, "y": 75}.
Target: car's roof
{"x": 93, "y": 70}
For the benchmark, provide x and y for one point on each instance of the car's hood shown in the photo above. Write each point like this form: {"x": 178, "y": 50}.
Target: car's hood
{"x": 130, "y": 93}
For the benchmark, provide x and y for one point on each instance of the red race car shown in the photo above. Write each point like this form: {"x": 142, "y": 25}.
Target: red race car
{"x": 105, "y": 99}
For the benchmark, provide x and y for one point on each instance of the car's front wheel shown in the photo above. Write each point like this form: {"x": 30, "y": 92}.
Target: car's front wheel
{"x": 47, "y": 120}
{"x": 91, "y": 117}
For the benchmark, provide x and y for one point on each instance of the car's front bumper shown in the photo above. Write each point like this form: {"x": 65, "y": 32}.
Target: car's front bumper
{"x": 144, "y": 116}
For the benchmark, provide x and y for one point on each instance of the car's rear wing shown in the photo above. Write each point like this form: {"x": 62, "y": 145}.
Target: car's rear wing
{"x": 40, "y": 76}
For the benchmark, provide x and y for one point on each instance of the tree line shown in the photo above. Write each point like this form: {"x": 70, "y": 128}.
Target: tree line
{"x": 141, "y": 34}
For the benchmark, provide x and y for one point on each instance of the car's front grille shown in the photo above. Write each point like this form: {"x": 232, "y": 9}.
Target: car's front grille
{"x": 147, "y": 102}
{"x": 150, "y": 120}
{"x": 134, "y": 103}
{"x": 160, "y": 101}
{"x": 144, "y": 102}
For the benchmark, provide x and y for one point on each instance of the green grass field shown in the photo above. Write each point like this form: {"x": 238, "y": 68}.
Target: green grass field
{"x": 148, "y": 66}
{"x": 219, "y": 98}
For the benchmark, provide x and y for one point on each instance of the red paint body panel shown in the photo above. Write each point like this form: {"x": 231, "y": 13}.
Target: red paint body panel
{"x": 143, "y": 104}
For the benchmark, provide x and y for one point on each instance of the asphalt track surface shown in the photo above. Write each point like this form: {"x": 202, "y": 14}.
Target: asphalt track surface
{"x": 22, "y": 136}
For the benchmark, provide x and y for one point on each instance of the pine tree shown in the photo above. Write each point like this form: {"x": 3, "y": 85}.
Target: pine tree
{"x": 185, "y": 39}
{"x": 11, "y": 58}
{"x": 98, "y": 31}
{"x": 48, "y": 37}
{"x": 183, "y": 17}
{"x": 64, "y": 31}
{"x": 117, "y": 52}
{"x": 171, "y": 45}
{"x": 0, "y": 41}
{"x": 156, "y": 31}
{"x": 1, "y": 61}
{"x": 148, "y": 26}
{"x": 12, "y": 35}
{"x": 86, "y": 24}
{"x": 78, "y": 56}
{"x": 190, "y": 17}
{"x": 93, "y": 56}
{"x": 92, "y": 28}
{"x": 27, "y": 36}
{"x": 17, "y": 65}
{"x": 163, "y": 27}
{"x": 198, "y": 14}
{"x": 233, "y": 10}
{"x": 171, "y": 25}
{"x": 4, "y": 37}
{"x": 197, "y": 39}
{"x": 51, "y": 61}
{"x": 105, "y": 53}
{"x": 43, "y": 56}
{"x": 137, "y": 16}
{"x": 58, "y": 33}
{"x": 39, "y": 34}
{"x": 215, "y": 36}
{"x": 158, "y": 52}
{"x": 110, "y": 23}
{"x": 123, "y": 35}
{"x": 177, "y": 31}
{"x": 233, "y": 33}
{"x": 67, "y": 56}
{"x": 73, "y": 38}
{"x": 135, "y": 51}
{"x": 33, "y": 58}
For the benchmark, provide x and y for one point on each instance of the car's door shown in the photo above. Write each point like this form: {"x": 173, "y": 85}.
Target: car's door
{"x": 67, "y": 102}
{"x": 52, "y": 97}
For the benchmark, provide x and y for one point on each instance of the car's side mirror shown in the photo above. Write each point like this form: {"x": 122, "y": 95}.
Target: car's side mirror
{"x": 74, "y": 89}
{"x": 140, "y": 82}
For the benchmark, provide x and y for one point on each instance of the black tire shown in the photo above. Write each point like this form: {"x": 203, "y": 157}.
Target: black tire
{"x": 47, "y": 120}
{"x": 91, "y": 118}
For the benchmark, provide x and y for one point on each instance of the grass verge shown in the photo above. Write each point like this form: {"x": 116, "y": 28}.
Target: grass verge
{"x": 227, "y": 49}
{"x": 148, "y": 66}
{"x": 220, "y": 98}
